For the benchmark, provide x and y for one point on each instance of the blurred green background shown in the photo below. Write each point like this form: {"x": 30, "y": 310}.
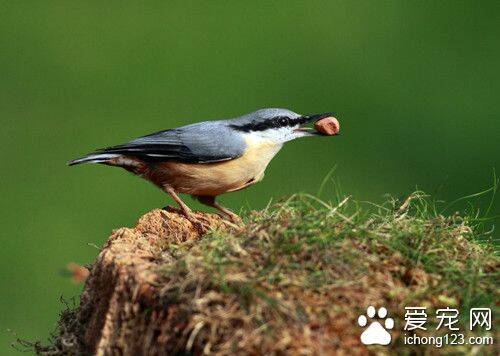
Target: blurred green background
{"x": 415, "y": 84}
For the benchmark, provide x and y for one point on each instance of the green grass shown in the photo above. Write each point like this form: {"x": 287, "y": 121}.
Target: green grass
{"x": 299, "y": 273}
{"x": 401, "y": 253}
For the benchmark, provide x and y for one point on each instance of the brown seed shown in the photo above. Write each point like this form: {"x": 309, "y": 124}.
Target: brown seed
{"x": 327, "y": 126}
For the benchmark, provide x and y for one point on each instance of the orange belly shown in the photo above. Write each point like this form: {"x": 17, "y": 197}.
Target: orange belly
{"x": 216, "y": 178}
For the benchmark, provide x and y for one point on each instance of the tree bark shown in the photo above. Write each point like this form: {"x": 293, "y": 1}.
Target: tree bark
{"x": 119, "y": 312}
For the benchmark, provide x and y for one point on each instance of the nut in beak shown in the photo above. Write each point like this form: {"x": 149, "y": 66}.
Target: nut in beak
{"x": 324, "y": 125}
{"x": 328, "y": 126}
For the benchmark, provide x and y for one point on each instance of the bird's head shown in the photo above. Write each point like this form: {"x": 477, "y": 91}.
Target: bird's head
{"x": 278, "y": 125}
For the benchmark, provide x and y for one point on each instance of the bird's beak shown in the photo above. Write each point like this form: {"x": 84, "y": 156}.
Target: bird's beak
{"x": 307, "y": 119}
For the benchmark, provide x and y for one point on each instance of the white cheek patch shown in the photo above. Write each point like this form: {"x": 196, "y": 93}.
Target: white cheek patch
{"x": 276, "y": 135}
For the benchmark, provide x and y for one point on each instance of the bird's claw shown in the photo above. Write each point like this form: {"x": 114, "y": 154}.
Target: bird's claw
{"x": 232, "y": 220}
{"x": 235, "y": 219}
{"x": 201, "y": 223}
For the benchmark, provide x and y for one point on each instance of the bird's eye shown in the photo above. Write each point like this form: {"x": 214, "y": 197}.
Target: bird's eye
{"x": 282, "y": 121}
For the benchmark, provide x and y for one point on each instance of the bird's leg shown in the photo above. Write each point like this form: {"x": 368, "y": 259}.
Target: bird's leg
{"x": 185, "y": 209}
{"x": 188, "y": 213}
{"x": 210, "y": 201}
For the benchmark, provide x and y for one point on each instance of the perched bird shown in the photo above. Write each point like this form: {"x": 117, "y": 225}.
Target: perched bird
{"x": 212, "y": 157}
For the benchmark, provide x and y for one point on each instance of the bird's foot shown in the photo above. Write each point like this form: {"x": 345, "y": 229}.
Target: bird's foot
{"x": 199, "y": 221}
{"x": 232, "y": 220}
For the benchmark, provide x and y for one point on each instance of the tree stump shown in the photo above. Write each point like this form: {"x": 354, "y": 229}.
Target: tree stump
{"x": 134, "y": 302}
{"x": 120, "y": 312}
{"x": 292, "y": 280}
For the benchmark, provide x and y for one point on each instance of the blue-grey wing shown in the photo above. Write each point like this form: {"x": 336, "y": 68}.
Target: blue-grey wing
{"x": 205, "y": 142}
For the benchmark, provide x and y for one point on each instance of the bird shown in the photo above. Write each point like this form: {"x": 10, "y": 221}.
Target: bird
{"x": 209, "y": 158}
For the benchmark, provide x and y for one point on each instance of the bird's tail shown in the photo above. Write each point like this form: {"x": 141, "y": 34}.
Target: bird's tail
{"x": 94, "y": 158}
{"x": 131, "y": 164}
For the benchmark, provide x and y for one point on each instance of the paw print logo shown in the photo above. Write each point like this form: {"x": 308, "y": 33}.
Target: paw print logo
{"x": 375, "y": 333}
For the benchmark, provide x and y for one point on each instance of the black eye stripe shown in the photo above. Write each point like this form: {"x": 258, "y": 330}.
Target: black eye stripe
{"x": 275, "y": 122}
